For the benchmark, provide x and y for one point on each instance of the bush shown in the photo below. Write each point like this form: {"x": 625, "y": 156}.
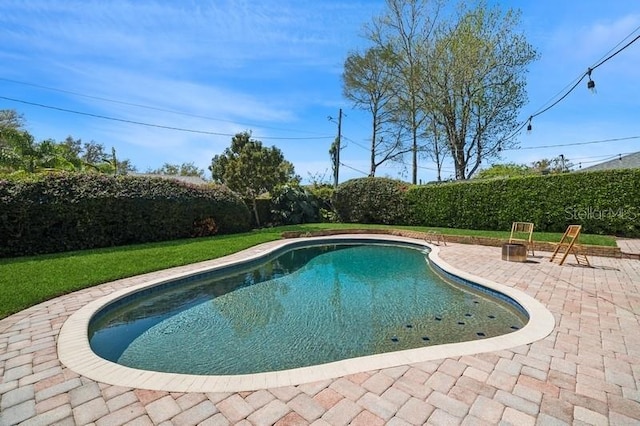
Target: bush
{"x": 324, "y": 193}
{"x": 293, "y": 205}
{"x": 604, "y": 202}
{"x": 371, "y": 200}
{"x": 66, "y": 211}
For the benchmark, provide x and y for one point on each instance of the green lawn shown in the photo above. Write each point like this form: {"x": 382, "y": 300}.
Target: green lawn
{"x": 27, "y": 281}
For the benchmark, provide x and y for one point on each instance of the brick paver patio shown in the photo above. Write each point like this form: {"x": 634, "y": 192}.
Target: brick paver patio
{"x": 585, "y": 372}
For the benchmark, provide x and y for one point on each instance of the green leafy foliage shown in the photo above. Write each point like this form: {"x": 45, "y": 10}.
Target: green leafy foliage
{"x": 184, "y": 169}
{"x": 292, "y": 205}
{"x": 603, "y": 202}
{"x": 324, "y": 193}
{"x": 70, "y": 211}
{"x": 371, "y": 200}
{"x": 505, "y": 171}
{"x": 251, "y": 169}
{"x": 20, "y": 154}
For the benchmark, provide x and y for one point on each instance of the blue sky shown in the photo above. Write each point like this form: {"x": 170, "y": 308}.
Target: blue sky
{"x": 274, "y": 67}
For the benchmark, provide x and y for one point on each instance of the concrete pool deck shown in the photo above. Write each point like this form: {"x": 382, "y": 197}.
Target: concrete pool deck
{"x": 586, "y": 371}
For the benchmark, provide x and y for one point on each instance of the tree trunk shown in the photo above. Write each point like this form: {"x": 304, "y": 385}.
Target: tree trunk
{"x": 414, "y": 149}
{"x": 255, "y": 212}
{"x": 372, "y": 168}
{"x": 460, "y": 162}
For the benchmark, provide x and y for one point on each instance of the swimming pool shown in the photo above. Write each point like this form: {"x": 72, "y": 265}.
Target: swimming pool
{"x": 309, "y": 305}
{"x": 75, "y": 351}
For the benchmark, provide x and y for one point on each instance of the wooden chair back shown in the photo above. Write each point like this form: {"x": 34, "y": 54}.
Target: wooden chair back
{"x": 522, "y": 232}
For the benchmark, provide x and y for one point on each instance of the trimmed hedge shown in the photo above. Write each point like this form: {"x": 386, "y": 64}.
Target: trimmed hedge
{"x": 61, "y": 212}
{"x": 604, "y": 202}
{"x": 371, "y": 200}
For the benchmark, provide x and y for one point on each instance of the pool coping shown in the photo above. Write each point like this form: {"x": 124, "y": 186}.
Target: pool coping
{"x": 75, "y": 352}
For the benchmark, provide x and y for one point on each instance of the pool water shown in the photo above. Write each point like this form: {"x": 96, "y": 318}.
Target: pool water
{"x": 308, "y": 306}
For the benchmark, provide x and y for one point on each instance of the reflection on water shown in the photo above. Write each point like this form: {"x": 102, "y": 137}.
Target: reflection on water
{"x": 308, "y": 306}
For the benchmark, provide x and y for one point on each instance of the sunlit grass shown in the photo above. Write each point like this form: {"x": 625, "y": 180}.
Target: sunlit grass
{"x": 27, "y": 281}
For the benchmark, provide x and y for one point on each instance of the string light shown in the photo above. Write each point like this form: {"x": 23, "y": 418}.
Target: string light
{"x": 591, "y": 85}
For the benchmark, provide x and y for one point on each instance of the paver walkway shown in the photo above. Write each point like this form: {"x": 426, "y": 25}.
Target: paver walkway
{"x": 629, "y": 245}
{"x": 586, "y": 371}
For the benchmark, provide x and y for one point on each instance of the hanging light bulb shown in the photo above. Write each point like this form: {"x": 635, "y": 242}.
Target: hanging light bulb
{"x": 591, "y": 85}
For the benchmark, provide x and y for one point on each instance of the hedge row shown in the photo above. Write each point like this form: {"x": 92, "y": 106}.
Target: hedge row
{"x": 606, "y": 202}
{"x": 61, "y": 212}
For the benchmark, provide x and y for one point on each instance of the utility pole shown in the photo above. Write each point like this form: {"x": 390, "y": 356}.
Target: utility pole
{"x": 335, "y": 150}
{"x": 338, "y": 147}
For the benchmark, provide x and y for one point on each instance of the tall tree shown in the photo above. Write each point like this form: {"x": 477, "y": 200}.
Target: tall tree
{"x": 18, "y": 151}
{"x": 405, "y": 28}
{"x": 95, "y": 157}
{"x": 559, "y": 164}
{"x": 476, "y": 83}
{"x": 438, "y": 147}
{"x": 369, "y": 84}
{"x": 11, "y": 119}
{"x": 184, "y": 169}
{"x": 251, "y": 169}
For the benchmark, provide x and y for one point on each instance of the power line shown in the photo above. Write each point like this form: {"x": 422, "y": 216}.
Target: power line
{"x": 573, "y": 144}
{"x": 356, "y": 143}
{"x": 619, "y": 43}
{"x": 573, "y": 83}
{"x": 397, "y": 162}
{"x": 557, "y": 101}
{"x": 602, "y": 160}
{"x": 618, "y": 51}
{"x": 159, "y": 126}
{"x": 354, "y": 169}
{"x": 600, "y": 157}
{"x": 186, "y": 114}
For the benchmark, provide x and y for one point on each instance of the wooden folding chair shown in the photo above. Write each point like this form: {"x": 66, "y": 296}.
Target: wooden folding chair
{"x": 522, "y": 232}
{"x": 569, "y": 244}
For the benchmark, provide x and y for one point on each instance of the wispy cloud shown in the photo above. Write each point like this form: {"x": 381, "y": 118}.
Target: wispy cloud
{"x": 183, "y": 56}
{"x": 269, "y": 65}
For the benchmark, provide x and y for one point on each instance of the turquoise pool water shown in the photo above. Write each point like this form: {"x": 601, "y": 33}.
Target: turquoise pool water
{"x": 307, "y": 306}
